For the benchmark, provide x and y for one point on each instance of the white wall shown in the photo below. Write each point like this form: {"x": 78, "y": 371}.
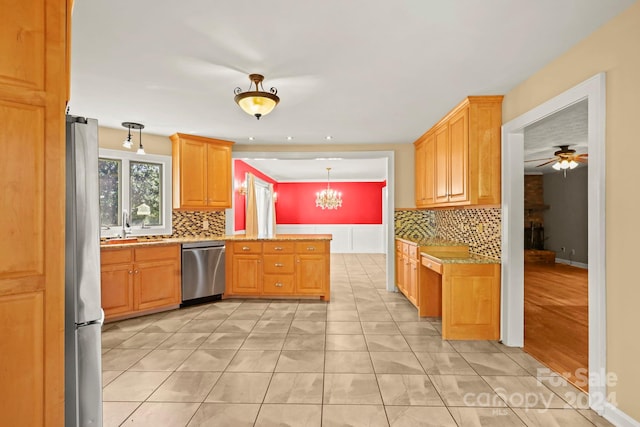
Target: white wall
{"x": 347, "y": 238}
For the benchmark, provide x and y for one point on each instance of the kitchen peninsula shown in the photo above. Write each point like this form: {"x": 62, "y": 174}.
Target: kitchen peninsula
{"x": 287, "y": 265}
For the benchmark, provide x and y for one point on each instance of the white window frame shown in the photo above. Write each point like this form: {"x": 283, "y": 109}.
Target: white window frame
{"x": 126, "y": 157}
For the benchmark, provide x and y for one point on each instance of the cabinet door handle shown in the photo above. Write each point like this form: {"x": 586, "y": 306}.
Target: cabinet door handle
{"x": 136, "y": 271}
{"x": 311, "y": 248}
{"x": 130, "y": 271}
{"x": 278, "y": 285}
{"x": 246, "y": 248}
{"x": 277, "y": 264}
{"x": 259, "y": 261}
{"x": 277, "y": 248}
{"x": 429, "y": 265}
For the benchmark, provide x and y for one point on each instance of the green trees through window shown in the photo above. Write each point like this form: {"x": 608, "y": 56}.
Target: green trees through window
{"x": 110, "y": 191}
{"x": 145, "y": 187}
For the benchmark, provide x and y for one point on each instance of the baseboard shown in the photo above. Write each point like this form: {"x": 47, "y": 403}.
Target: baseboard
{"x": 615, "y": 416}
{"x": 572, "y": 263}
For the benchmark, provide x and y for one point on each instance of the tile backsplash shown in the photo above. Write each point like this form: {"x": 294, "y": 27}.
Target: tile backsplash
{"x": 191, "y": 223}
{"x": 414, "y": 223}
{"x": 480, "y": 228}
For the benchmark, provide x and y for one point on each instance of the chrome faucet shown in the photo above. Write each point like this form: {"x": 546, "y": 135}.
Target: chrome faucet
{"x": 125, "y": 223}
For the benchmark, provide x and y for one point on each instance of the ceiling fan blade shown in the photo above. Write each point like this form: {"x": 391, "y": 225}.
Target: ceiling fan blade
{"x": 546, "y": 163}
{"x": 538, "y": 160}
{"x": 581, "y": 160}
{"x": 582, "y": 155}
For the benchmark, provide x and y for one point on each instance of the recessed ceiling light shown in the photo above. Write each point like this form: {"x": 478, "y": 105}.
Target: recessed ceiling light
{"x": 251, "y": 138}
{"x": 289, "y": 138}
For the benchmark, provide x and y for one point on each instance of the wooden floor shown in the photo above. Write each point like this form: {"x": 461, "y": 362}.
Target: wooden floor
{"x": 556, "y": 320}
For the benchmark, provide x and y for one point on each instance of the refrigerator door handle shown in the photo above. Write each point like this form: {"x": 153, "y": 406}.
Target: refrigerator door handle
{"x": 99, "y": 321}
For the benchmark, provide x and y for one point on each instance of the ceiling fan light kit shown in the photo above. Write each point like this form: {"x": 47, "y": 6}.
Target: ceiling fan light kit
{"x": 257, "y": 102}
{"x": 565, "y": 158}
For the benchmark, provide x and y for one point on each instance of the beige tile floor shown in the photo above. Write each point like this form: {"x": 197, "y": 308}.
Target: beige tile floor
{"x": 364, "y": 359}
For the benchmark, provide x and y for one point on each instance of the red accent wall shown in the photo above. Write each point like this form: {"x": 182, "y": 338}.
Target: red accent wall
{"x": 240, "y": 168}
{"x": 361, "y": 203}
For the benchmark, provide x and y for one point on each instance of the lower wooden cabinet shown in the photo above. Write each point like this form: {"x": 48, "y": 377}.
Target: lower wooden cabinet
{"x": 407, "y": 270}
{"x": 246, "y": 274}
{"x": 139, "y": 280}
{"x": 278, "y": 268}
{"x": 467, "y": 296}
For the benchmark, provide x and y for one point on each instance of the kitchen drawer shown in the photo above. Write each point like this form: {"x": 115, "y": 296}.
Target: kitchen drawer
{"x": 277, "y": 264}
{"x": 116, "y": 256}
{"x": 157, "y": 253}
{"x": 247, "y": 247}
{"x": 278, "y": 247}
{"x": 311, "y": 247}
{"x": 277, "y": 284}
{"x": 432, "y": 265}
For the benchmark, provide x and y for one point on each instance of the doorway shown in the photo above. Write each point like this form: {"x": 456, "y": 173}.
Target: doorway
{"x": 593, "y": 91}
{"x": 388, "y": 196}
{"x": 556, "y": 329}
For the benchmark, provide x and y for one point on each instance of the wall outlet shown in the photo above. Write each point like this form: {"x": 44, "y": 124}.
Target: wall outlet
{"x": 573, "y": 251}
{"x": 205, "y": 225}
{"x": 563, "y": 249}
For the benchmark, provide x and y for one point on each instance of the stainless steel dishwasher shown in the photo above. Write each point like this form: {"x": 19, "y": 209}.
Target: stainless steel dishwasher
{"x": 203, "y": 272}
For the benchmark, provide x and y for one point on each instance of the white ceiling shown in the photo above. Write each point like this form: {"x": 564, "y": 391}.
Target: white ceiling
{"x": 543, "y": 138}
{"x": 315, "y": 169}
{"x": 361, "y": 71}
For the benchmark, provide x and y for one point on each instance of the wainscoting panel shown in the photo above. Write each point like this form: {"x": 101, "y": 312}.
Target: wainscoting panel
{"x": 347, "y": 238}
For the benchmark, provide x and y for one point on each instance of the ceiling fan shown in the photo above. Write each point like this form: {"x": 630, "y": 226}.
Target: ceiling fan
{"x": 564, "y": 158}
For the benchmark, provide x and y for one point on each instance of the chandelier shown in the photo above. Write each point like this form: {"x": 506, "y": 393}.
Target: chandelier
{"x": 328, "y": 198}
{"x": 256, "y": 102}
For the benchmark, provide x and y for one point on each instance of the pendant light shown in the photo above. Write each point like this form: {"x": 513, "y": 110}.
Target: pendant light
{"x": 128, "y": 143}
{"x": 257, "y": 102}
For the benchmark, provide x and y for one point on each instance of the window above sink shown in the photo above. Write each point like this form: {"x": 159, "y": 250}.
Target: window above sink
{"x": 138, "y": 185}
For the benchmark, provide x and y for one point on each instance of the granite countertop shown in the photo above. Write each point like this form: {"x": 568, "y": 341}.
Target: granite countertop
{"x": 451, "y": 257}
{"x": 158, "y": 241}
{"x": 430, "y": 241}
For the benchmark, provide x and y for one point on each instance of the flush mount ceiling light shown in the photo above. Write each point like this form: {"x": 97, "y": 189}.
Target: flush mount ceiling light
{"x": 328, "y": 198}
{"x": 127, "y": 142}
{"x": 257, "y": 102}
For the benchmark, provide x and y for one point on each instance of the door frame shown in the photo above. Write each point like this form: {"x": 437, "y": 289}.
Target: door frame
{"x": 512, "y": 307}
{"x": 388, "y": 200}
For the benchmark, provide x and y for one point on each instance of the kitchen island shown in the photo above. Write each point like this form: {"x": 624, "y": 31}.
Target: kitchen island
{"x": 287, "y": 265}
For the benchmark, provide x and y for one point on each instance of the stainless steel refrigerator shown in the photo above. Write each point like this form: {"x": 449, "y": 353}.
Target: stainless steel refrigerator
{"x": 83, "y": 312}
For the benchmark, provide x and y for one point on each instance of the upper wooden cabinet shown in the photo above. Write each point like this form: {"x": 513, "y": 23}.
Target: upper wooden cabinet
{"x": 201, "y": 172}
{"x": 458, "y": 159}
